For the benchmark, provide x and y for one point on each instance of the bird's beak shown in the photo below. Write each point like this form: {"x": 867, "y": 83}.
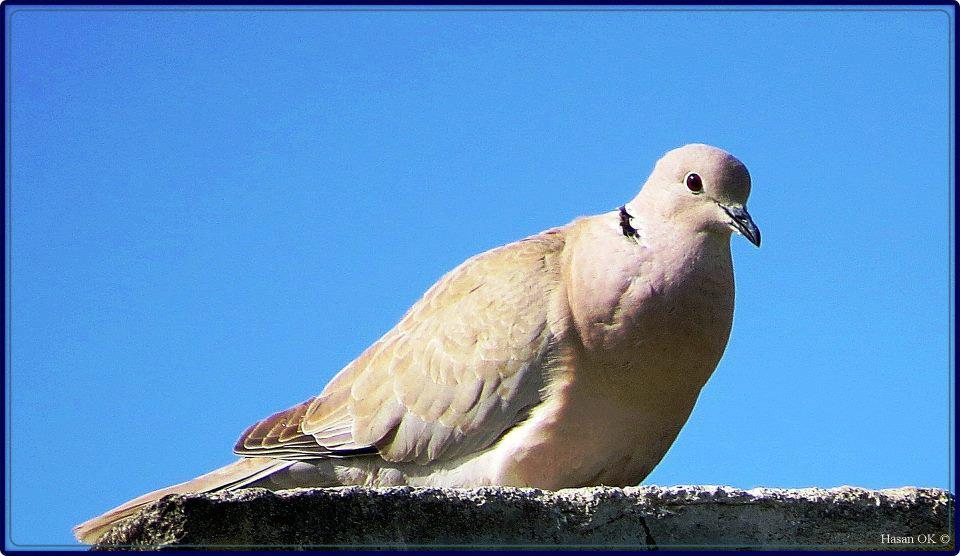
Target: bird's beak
{"x": 743, "y": 223}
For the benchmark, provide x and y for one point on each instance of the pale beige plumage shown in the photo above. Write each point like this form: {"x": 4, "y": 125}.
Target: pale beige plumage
{"x": 570, "y": 358}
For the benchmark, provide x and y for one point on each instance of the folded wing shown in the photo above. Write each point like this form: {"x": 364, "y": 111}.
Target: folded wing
{"x": 464, "y": 365}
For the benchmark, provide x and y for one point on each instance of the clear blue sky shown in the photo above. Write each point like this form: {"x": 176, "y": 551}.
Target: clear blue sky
{"x": 211, "y": 212}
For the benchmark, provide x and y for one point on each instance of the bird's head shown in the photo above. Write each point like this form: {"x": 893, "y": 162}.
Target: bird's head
{"x": 703, "y": 187}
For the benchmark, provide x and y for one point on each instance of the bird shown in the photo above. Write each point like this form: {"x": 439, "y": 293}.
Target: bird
{"x": 570, "y": 358}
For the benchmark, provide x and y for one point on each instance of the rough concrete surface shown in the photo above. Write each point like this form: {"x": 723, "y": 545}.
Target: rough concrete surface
{"x": 680, "y": 517}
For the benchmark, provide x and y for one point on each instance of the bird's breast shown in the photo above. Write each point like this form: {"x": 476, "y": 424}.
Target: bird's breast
{"x": 677, "y": 322}
{"x": 645, "y": 335}
{"x": 671, "y": 305}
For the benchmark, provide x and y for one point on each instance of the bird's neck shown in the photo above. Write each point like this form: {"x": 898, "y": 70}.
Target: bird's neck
{"x": 665, "y": 232}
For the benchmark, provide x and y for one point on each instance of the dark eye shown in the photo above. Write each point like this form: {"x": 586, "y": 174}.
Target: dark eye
{"x": 694, "y": 183}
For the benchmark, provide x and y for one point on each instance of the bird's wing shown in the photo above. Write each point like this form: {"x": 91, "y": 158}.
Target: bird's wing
{"x": 462, "y": 366}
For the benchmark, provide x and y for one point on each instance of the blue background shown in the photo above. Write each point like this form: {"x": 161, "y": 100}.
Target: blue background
{"x": 211, "y": 212}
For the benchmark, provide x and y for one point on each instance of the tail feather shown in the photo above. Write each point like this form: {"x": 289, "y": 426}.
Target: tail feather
{"x": 236, "y": 475}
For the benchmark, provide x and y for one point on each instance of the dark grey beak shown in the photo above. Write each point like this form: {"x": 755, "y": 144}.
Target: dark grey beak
{"x": 743, "y": 223}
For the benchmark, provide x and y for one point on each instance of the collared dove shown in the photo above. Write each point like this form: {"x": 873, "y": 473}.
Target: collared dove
{"x": 570, "y": 358}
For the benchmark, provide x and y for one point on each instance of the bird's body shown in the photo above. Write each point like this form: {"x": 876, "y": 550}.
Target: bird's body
{"x": 570, "y": 358}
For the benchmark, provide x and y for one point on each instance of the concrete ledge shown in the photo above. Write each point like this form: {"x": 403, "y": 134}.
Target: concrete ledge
{"x": 636, "y": 518}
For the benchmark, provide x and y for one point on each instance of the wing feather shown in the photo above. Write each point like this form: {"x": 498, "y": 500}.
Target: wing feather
{"x": 463, "y": 366}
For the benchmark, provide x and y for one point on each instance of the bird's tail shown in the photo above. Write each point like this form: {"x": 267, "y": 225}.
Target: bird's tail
{"x": 236, "y": 475}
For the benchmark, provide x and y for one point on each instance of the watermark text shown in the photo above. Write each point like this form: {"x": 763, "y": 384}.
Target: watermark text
{"x": 923, "y": 538}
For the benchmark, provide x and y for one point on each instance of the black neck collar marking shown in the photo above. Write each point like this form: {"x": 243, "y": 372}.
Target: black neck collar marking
{"x": 625, "y": 219}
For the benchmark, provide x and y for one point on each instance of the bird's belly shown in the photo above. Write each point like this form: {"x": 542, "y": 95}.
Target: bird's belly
{"x": 594, "y": 433}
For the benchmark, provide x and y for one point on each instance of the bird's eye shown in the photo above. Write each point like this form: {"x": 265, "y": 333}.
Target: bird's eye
{"x": 694, "y": 183}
